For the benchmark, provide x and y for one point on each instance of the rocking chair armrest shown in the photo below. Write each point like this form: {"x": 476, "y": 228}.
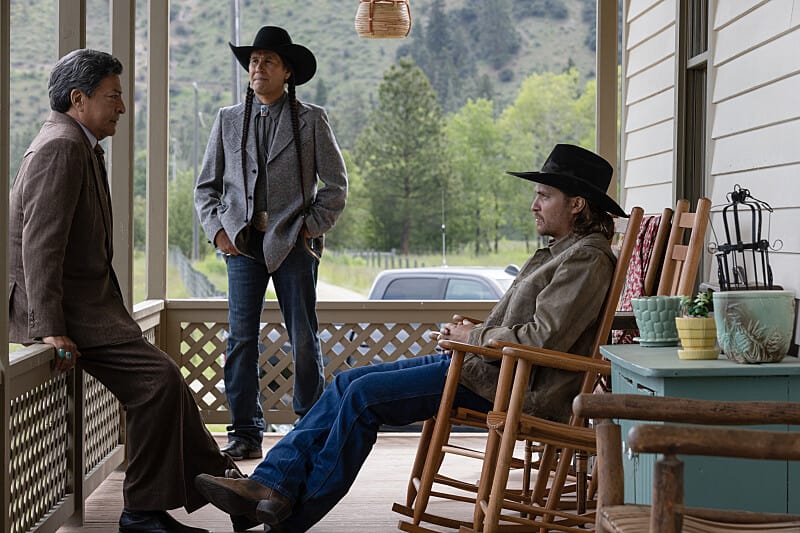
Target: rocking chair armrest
{"x": 560, "y": 360}
{"x": 470, "y": 348}
{"x": 714, "y": 441}
{"x": 684, "y": 410}
{"x": 474, "y": 320}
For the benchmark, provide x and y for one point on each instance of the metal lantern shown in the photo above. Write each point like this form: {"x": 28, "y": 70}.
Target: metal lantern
{"x": 743, "y": 260}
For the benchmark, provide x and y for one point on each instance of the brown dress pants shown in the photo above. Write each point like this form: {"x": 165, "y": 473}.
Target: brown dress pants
{"x": 167, "y": 442}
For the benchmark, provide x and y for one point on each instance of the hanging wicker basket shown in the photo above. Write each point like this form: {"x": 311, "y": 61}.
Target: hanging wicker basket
{"x": 383, "y": 19}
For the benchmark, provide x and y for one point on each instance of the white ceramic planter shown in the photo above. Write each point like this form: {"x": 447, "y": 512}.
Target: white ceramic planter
{"x": 754, "y": 326}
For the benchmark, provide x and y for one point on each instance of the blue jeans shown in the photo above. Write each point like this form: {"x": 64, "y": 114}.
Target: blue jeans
{"x": 295, "y": 283}
{"x": 315, "y": 464}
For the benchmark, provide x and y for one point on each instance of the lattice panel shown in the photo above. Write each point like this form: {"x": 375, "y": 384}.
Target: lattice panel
{"x": 344, "y": 345}
{"x": 202, "y": 356}
{"x": 101, "y": 422}
{"x": 347, "y": 346}
{"x": 39, "y": 469}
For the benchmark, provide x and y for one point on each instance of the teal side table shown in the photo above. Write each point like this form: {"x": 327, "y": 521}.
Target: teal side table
{"x": 756, "y": 485}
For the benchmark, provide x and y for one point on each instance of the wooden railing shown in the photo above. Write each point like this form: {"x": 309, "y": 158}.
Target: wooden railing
{"x": 67, "y": 430}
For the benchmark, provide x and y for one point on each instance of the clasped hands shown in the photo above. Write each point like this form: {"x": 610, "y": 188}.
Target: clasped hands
{"x": 458, "y": 330}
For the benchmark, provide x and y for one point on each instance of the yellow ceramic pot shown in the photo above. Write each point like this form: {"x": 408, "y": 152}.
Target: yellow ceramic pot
{"x": 698, "y": 337}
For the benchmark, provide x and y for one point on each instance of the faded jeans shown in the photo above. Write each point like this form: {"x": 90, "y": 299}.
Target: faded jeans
{"x": 315, "y": 464}
{"x": 295, "y": 283}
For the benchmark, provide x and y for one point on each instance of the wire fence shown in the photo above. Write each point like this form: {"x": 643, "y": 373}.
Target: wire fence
{"x": 197, "y": 284}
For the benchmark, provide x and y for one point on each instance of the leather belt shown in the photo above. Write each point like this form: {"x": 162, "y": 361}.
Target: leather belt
{"x": 260, "y": 219}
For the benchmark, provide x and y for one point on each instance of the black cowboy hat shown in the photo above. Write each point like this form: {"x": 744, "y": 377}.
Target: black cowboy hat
{"x": 579, "y": 172}
{"x": 301, "y": 61}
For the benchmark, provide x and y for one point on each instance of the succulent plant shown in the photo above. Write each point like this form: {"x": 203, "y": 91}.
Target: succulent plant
{"x": 699, "y": 306}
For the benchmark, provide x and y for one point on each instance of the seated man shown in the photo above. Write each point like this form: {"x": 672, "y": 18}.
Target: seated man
{"x": 554, "y": 303}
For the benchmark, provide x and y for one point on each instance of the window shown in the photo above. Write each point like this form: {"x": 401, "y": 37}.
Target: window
{"x": 692, "y": 83}
{"x": 467, "y": 289}
{"x": 414, "y": 289}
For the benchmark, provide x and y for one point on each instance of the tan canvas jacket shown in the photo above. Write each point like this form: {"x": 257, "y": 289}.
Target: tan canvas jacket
{"x": 554, "y": 303}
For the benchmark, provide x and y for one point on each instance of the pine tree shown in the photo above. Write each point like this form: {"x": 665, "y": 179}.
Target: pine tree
{"x": 400, "y": 156}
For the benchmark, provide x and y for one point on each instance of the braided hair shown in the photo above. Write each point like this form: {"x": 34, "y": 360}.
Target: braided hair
{"x": 248, "y": 111}
{"x": 294, "y": 107}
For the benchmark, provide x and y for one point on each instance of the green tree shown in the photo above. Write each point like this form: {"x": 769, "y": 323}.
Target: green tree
{"x": 476, "y": 158}
{"x": 352, "y": 229}
{"x": 550, "y": 108}
{"x": 321, "y": 97}
{"x": 400, "y": 156}
{"x": 181, "y": 214}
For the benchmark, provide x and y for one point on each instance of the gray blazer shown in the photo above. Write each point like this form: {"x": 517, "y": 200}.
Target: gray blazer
{"x": 224, "y": 193}
{"x": 60, "y": 277}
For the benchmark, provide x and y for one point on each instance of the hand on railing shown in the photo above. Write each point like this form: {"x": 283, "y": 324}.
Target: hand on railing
{"x": 66, "y": 352}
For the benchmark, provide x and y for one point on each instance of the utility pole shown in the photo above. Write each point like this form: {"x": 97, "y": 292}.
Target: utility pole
{"x": 195, "y": 229}
{"x": 444, "y": 234}
{"x": 237, "y": 71}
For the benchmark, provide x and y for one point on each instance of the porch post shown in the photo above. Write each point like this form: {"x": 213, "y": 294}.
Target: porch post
{"x": 123, "y": 17}
{"x": 157, "y": 149}
{"x": 606, "y": 137}
{"x": 71, "y": 35}
{"x": 5, "y": 396}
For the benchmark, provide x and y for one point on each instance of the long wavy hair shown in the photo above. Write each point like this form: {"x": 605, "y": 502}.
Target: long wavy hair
{"x": 592, "y": 219}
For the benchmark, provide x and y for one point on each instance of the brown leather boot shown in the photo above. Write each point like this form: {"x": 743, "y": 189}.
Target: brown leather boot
{"x": 244, "y": 497}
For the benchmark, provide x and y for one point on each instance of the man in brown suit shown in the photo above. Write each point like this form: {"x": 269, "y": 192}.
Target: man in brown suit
{"x": 63, "y": 292}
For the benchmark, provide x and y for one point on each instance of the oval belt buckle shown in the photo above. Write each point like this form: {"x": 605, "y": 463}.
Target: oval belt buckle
{"x": 260, "y": 219}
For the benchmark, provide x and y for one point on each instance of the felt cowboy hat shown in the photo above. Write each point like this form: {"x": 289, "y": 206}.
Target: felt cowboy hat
{"x": 301, "y": 61}
{"x": 579, "y": 172}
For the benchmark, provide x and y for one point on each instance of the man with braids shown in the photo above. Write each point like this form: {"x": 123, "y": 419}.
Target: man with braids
{"x": 553, "y": 303}
{"x": 258, "y": 202}
{"x": 64, "y": 292}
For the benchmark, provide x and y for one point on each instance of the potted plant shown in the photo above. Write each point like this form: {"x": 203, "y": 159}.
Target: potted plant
{"x": 696, "y": 328}
{"x": 754, "y": 326}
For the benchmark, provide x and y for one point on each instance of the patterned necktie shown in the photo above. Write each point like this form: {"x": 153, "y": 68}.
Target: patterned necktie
{"x": 99, "y": 153}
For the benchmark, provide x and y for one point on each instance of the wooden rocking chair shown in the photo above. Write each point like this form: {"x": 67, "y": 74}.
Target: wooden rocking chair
{"x": 668, "y": 513}
{"x": 547, "y": 507}
{"x": 434, "y": 441}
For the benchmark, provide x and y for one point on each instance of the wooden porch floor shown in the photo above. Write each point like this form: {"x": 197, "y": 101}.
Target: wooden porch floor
{"x": 367, "y": 508}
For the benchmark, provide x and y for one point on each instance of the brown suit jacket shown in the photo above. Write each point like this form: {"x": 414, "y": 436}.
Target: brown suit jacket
{"x": 61, "y": 281}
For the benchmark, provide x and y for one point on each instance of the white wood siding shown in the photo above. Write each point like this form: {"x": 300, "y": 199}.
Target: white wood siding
{"x": 649, "y": 104}
{"x": 637, "y": 7}
{"x": 728, "y": 10}
{"x": 749, "y": 31}
{"x": 651, "y": 51}
{"x": 651, "y": 22}
{"x": 755, "y": 120}
{"x": 754, "y": 115}
{"x": 649, "y": 170}
{"x": 770, "y": 104}
{"x": 648, "y": 82}
{"x": 768, "y": 63}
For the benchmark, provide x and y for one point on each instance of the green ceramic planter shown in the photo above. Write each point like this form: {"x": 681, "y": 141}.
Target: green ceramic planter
{"x": 655, "y": 318}
{"x": 754, "y": 326}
